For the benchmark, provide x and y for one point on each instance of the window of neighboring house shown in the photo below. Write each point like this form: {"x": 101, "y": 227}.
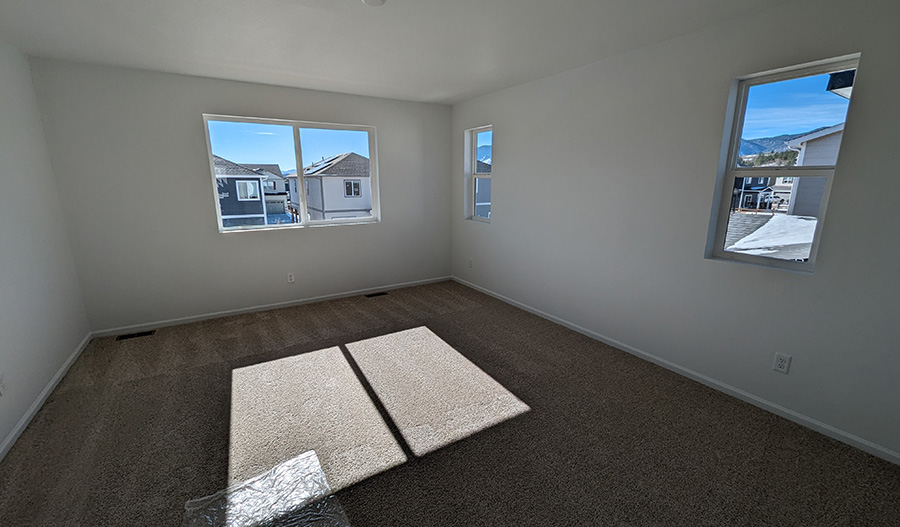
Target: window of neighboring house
{"x": 321, "y": 155}
{"x": 247, "y": 190}
{"x": 784, "y": 126}
{"x": 480, "y": 165}
{"x": 351, "y": 188}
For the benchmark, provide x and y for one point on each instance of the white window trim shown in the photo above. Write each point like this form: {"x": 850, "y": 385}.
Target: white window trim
{"x": 728, "y": 169}
{"x": 473, "y": 174}
{"x": 305, "y": 222}
{"x": 237, "y": 190}
{"x": 358, "y": 187}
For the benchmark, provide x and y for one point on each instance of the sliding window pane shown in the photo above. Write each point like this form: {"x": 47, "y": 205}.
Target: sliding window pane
{"x": 483, "y": 198}
{"x": 484, "y": 145}
{"x": 337, "y": 171}
{"x": 249, "y": 160}
{"x": 774, "y": 217}
{"x": 796, "y": 122}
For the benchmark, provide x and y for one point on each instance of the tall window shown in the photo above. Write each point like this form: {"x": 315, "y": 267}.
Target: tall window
{"x": 784, "y": 136}
{"x": 249, "y": 154}
{"x": 481, "y": 141}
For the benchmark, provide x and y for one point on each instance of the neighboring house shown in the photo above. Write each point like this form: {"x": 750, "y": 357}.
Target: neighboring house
{"x": 752, "y": 193}
{"x": 819, "y": 148}
{"x": 336, "y": 187}
{"x": 240, "y": 189}
{"x": 274, "y": 187}
{"x": 816, "y": 149}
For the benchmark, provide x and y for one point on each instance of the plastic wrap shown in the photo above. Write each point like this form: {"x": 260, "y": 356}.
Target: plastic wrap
{"x": 293, "y": 494}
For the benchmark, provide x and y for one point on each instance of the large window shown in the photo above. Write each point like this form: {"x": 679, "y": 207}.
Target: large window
{"x": 271, "y": 173}
{"x": 784, "y": 133}
{"x": 480, "y": 160}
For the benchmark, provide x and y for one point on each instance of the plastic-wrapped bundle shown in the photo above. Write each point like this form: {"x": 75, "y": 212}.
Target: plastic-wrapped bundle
{"x": 293, "y": 494}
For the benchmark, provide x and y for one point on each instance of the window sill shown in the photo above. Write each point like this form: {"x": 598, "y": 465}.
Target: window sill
{"x": 804, "y": 268}
{"x": 293, "y": 226}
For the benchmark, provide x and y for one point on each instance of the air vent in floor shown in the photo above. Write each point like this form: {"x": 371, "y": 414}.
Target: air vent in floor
{"x": 136, "y": 335}
{"x": 382, "y": 293}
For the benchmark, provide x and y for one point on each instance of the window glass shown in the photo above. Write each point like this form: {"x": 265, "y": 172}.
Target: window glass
{"x": 244, "y": 149}
{"x": 783, "y": 145}
{"x": 248, "y": 190}
{"x": 258, "y": 184}
{"x": 484, "y": 151}
{"x": 483, "y": 198}
{"x": 795, "y": 122}
{"x": 766, "y": 222}
{"x": 329, "y": 156}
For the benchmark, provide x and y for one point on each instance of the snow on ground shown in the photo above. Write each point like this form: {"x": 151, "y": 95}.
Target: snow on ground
{"x": 779, "y": 231}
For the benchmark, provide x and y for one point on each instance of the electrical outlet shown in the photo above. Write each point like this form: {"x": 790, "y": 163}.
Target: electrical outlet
{"x": 470, "y": 263}
{"x": 290, "y": 278}
{"x": 782, "y": 362}
{"x": 2, "y": 386}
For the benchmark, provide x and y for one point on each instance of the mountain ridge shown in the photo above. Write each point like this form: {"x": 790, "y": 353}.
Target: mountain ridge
{"x": 771, "y": 145}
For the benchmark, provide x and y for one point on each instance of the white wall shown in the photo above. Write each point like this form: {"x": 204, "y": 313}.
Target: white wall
{"x": 42, "y": 316}
{"x": 602, "y": 185}
{"x": 130, "y": 152}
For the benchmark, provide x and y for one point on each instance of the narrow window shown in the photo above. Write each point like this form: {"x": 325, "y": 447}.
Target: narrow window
{"x": 481, "y": 141}
{"x": 784, "y": 136}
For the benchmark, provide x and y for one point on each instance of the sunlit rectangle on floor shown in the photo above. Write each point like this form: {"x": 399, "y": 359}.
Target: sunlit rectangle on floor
{"x": 311, "y": 401}
{"x": 434, "y": 394}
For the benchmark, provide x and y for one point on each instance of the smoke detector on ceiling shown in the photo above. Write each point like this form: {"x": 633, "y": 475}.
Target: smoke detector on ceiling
{"x": 374, "y": 3}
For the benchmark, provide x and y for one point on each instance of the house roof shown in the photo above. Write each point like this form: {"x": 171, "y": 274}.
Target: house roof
{"x": 225, "y": 167}
{"x": 481, "y": 167}
{"x": 270, "y": 169}
{"x": 348, "y": 164}
{"x": 798, "y": 141}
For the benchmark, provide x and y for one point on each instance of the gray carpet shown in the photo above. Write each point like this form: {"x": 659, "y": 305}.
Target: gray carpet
{"x": 499, "y": 419}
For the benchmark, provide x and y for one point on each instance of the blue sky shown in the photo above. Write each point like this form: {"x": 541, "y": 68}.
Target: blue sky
{"x": 484, "y": 138}
{"x": 274, "y": 143}
{"x": 792, "y": 106}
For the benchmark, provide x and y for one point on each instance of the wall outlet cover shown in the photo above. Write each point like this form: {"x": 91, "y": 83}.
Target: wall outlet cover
{"x": 782, "y": 363}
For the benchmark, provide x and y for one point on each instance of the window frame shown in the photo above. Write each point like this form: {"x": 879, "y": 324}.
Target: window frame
{"x": 355, "y": 186}
{"x": 729, "y": 170}
{"x": 237, "y": 190}
{"x": 296, "y": 125}
{"x": 474, "y": 175}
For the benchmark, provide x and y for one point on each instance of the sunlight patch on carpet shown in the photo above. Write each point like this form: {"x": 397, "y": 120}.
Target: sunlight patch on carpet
{"x": 435, "y": 395}
{"x": 311, "y": 401}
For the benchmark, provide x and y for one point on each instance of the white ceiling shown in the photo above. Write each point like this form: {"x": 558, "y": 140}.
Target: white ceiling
{"x": 423, "y": 50}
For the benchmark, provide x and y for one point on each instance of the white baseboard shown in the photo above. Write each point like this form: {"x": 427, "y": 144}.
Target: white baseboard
{"x": 803, "y": 420}
{"x": 265, "y": 307}
{"x": 42, "y": 398}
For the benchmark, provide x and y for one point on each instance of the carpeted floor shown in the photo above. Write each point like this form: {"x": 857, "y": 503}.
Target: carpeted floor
{"x": 432, "y": 405}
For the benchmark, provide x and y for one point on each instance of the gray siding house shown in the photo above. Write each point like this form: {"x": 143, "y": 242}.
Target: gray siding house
{"x": 816, "y": 149}
{"x": 336, "y": 187}
{"x": 819, "y": 148}
{"x": 240, "y": 189}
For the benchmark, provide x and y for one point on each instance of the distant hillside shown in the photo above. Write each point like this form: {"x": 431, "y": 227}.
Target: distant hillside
{"x": 770, "y": 145}
{"x": 484, "y": 154}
